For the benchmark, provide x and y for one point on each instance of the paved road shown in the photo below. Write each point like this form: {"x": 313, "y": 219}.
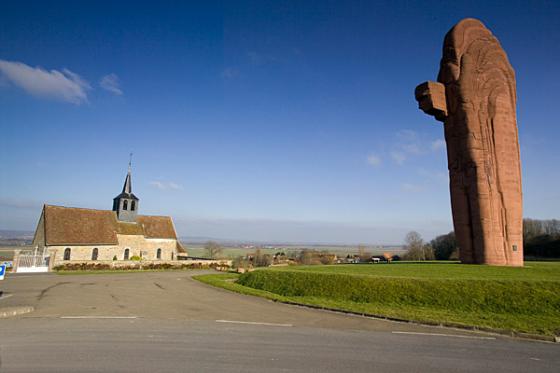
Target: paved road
{"x": 165, "y": 321}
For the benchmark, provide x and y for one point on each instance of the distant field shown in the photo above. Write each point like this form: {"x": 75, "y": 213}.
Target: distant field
{"x": 532, "y": 271}
{"x": 228, "y": 252}
{"x": 525, "y": 300}
{"x": 232, "y": 252}
{"x": 7, "y": 252}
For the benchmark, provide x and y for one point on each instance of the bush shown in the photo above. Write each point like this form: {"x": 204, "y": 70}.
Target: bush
{"x": 136, "y": 266}
{"x": 82, "y": 267}
{"x": 135, "y": 257}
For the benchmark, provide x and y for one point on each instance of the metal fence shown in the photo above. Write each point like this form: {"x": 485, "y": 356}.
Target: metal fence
{"x": 32, "y": 263}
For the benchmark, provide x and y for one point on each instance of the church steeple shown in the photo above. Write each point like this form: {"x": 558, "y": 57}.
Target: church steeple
{"x": 126, "y": 203}
{"x": 127, "y": 187}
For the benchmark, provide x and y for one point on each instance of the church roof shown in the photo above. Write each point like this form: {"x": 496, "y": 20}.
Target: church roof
{"x": 157, "y": 226}
{"x": 80, "y": 226}
{"x": 69, "y": 225}
{"x": 127, "y": 195}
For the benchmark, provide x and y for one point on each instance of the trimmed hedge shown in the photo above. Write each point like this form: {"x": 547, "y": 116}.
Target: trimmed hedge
{"x": 489, "y": 296}
{"x": 133, "y": 266}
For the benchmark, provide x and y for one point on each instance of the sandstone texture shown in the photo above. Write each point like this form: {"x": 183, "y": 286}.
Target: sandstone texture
{"x": 475, "y": 97}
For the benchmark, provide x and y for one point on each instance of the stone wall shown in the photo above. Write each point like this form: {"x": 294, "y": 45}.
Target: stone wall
{"x": 148, "y": 246}
{"x": 137, "y": 246}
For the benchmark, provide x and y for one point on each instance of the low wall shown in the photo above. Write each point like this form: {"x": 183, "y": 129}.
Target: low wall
{"x": 76, "y": 265}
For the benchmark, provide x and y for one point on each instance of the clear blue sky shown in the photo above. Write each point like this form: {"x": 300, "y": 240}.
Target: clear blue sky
{"x": 277, "y": 121}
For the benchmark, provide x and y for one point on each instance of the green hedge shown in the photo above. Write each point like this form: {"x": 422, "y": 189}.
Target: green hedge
{"x": 488, "y": 296}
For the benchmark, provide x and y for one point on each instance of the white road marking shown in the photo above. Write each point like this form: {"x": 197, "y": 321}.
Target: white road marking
{"x": 445, "y": 335}
{"x": 98, "y": 317}
{"x": 6, "y": 296}
{"x": 254, "y": 323}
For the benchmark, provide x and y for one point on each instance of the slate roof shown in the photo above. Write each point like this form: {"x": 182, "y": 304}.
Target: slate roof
{"x": 80, "y": 226}
{"x": 127, "y": 187}
{"x": 127, "y": 195}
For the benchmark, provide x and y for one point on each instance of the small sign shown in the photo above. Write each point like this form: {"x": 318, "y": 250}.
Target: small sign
{"x": 2, "y": 271}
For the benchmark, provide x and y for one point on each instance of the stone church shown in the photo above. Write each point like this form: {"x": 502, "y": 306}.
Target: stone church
{"x": 80, "y": 234}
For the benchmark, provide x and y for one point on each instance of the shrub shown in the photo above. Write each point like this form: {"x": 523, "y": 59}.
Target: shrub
{"x": 82, "y": 267}
{"x": 135, "y": 257}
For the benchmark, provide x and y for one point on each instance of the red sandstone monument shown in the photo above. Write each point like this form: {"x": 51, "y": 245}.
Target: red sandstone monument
{"x": 475, "y": 99}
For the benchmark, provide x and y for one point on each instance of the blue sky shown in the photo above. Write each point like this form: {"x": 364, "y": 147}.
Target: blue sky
{"x": 275, "y": 121}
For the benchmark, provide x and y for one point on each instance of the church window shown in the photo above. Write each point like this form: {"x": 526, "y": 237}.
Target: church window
{"x": 125, "y": 205}
{"x": 126, "y": 254}
{"x": 132, "y": 205}
{"x": 94, "y": 253}
{"x": 67, "y": 253}
{"x": 158, "y": 254}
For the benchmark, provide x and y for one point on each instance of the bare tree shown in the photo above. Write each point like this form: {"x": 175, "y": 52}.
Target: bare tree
{"x": 261, "y": 259}
{"x": 363, "y": 254}
{"x": 213, "y": 250}
{"x": 240, "y": 262}
{"x": 326, "y": 258}
{"x": 428, "y": 252}
{"x": 415, "y": 246}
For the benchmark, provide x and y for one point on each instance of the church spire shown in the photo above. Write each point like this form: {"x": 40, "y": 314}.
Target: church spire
{"x": 126, "y": 203}
{"x": 127, "y": 187}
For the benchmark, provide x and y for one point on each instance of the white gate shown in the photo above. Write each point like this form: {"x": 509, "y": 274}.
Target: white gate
{"x": 32, "y": 262}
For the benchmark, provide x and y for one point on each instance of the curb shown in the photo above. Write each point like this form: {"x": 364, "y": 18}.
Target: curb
{"x": 502, "y": 332}
{"x": 14, "y": 311}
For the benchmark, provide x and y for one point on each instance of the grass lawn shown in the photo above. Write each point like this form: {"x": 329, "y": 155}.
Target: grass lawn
{"x": 532, "y": 271}
{"x": 523, "y": 300}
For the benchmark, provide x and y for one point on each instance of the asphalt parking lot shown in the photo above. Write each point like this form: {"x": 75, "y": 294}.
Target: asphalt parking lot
{"x": 166, "y": 321}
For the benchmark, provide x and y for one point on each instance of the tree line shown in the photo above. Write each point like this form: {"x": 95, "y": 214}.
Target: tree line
{"x": 541, "y": 239}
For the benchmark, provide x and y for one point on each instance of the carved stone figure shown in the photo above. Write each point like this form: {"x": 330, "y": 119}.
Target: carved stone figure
{"x": 475, "y": 98}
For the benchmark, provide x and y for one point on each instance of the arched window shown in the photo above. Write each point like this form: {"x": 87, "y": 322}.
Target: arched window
{"x": 126, "y": 254}
{"x": 132, "y": 205}
{"x": 172, "y": 255}
{"x": 158, "y": 254}
{"x": 67, "y": 253}
{"x": 94, "y": 253}
{"x": 125, "y": 205}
